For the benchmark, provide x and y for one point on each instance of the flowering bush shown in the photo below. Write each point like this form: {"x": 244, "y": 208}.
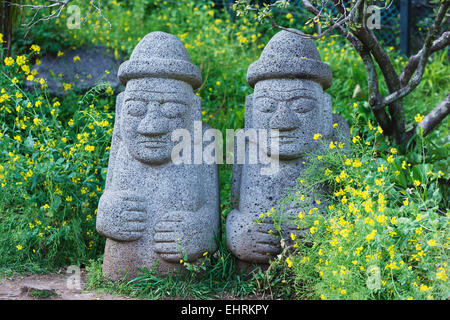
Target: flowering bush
{"x": 377, "y": 228}
{"x": 52, "y": 168}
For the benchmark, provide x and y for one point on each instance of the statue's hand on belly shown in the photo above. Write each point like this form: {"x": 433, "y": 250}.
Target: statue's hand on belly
{"x": 250, "y": 240}
{"x": 122, "y": 215}
{"x": 177, "y": 234}
{"x": 167, "y": 237}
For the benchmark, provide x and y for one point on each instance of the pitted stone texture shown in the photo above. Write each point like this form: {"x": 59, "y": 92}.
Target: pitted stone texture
{"x": 160, "y": 55}
{"x": 294, "y": 104}
{"x": 287, "y": 55}
{"x": 153, "y": 210}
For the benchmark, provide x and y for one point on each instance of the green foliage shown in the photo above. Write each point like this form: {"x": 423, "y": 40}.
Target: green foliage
{"x": 52, "y": 170}
{"x": 379, "y": 231}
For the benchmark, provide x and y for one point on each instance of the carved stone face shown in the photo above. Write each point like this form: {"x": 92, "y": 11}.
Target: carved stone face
{"x": 294, "y": 107}
{"x": 151, "y": 110}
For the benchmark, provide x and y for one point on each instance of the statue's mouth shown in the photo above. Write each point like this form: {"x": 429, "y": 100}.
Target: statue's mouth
{"x": 156, "y": 142}
{"x": 285, "y": 138}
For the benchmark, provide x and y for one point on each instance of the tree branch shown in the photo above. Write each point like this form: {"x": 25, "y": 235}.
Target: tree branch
{"x": 413, "y": 62}
{"x": 334, "y": 24}
{"x": 426, "y": 51}
{"x": 435, "y": 117}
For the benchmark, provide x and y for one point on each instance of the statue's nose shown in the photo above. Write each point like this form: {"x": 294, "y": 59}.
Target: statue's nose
{"x": 153, "y": 124}
{"x": 284, "y": 118}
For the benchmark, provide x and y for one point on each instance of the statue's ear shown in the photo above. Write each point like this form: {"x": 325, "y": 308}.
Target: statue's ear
{"x": 119, "y": 103}
{"x": 248, "y": 111}
{"x": 327, "y": 115}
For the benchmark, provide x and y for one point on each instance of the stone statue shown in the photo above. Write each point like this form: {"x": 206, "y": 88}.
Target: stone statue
{"x": 289, "y": 81}
{"x": 153, "y": 209}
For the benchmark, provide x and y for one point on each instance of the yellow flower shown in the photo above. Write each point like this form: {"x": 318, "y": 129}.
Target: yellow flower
{"x": 89, "y": 148}
{"x": 424, "y": 287}
{"x": 405, "y": 202}
{"x": 335, "y": 125}
{"x": 371, "y": 235}
{"x": 20, "y": 60}
{"x": 19, "y": 247}
{"x": 59, "y": 54}
{"x": 293, "y": 237}
{"x": 76, "y": 58}
{"x": 380, "y": 131}
{"x": 317, "y": 136}
{"x": 332, "y": 145}
{"x": 416, "y": 183}
{"x": 289, "y": 262}
{"x": 418, "y": 118}
{"x": 441, "y": 274}
{"x": 35, "y": 48}
{"x": 289, "y": 16}
{"x": 69, "y": 198}
{"x": 9, "y": 61}
{"x": 67, "y": 86}
{"x": 432, "y": 243}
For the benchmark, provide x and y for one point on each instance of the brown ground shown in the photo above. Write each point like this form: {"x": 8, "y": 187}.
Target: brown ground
{"x": 52, "y": 285}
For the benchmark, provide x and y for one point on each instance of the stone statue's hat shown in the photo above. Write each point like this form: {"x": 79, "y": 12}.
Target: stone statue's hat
{"x": 288, "y": 55}
{"x": 160, "y": 55}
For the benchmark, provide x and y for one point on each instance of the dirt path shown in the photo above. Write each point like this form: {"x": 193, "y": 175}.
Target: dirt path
{"x": 47, "y": 286}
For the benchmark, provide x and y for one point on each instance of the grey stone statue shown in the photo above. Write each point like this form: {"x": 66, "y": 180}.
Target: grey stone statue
{"x": 289, "y": 80}
{"x": 153, "y": 209}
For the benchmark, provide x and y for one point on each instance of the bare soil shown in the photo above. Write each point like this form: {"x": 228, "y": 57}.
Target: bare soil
{"x": 48, "y": 287}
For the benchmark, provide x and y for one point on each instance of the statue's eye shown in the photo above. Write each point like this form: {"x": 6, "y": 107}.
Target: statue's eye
{"x": 266, "y": 105}
{"x": 173, "y": 109}
{"x": 302, "y": 105}
{"x": 136, "y": 108}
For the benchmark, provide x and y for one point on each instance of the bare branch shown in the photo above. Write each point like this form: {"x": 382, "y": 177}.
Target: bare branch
{"x": 57, "y": 6}
{"x": 426, "y": 51}
{"x": 413, "y": 62}
{"x": 435, "y": 117}
{"x": 334, "y": 24}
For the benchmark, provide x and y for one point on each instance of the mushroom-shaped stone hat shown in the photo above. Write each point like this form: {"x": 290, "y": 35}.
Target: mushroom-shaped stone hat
{"x": 160, "y": 55}
{"x": 288, "y": 55}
